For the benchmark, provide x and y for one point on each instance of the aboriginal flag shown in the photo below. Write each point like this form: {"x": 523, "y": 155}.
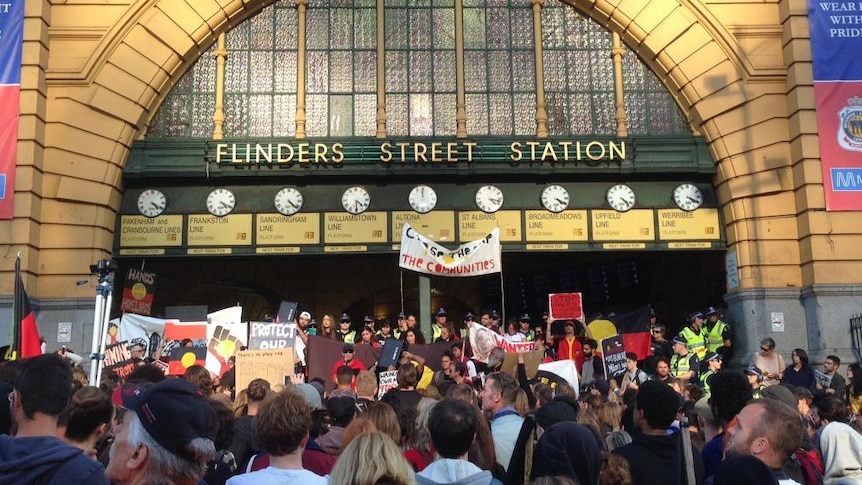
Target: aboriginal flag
{"x": 184, "y": 357}
{"x": 634, "y": 328}
{"x": 28, "y": 343}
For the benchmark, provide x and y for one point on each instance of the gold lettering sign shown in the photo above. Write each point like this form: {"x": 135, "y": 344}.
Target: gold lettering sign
{"x": 689, "y": 245}
{"x": 140, "y": 231}
{"x": 437, "y": 226}
{"x": 701, "y": 224}
{"x": 344, "y": 228}
{"x": 357, "y": 248}
{"x": 209, "y": 251}
{"x": 209, "y": 230}
{"x": 474, "y": 225}
{"x": 570, "y": 225}
{"x": 624, "y": 246}
{"x": 278, "y": 250}
{"x": 547, "y": 247}
{"x": 634, "y": 225}
{"x": 277, "y": 229}
{"x": 142, "y": 252}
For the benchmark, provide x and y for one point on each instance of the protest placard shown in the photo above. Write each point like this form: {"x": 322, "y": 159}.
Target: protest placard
{"x": 271, "y": 335}
{"x": 613, "y": 355}
{"x": 272, "y": 365}
{"x": 565, "y": 306}
{"x": 118, "y": 358}
{"x": 387, "y": 381}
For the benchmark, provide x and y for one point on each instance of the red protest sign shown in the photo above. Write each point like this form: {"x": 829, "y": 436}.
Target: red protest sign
{"x": 565, "y": 306}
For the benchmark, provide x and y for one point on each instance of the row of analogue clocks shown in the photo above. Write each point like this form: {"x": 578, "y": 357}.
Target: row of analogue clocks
{"x": 422, "y": 199}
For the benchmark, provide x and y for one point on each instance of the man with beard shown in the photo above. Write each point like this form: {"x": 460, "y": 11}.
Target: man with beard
{"x": 768, "y": 430}
{"x": 652, "y": 454}
{"x": 662, "y": 371}
{"x": 592, "y": 366}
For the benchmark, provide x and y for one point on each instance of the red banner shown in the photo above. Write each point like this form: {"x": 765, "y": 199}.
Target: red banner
{"x": 11, "y": 41}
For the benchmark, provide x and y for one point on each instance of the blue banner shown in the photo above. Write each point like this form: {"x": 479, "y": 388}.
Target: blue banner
{"x": 11, "y": 41}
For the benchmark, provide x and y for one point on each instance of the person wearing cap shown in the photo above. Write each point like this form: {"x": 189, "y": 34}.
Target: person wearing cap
{"x": 524, "y": 328}
{"x": 303, "y": 328}
{"x": 41, "y": 390}
{"x": 719, "y": 338}
{"x": 684, "y": 364}
{"x": 469, "y": 318}
{"x": 496, "y": 320}
{"x": 344, "y": 333}
{"x": 284, "y": 424}
{"x": 401, "y": 330}
{"x": 348, "y": 358}
{"x": 571, "y": 346}
{"x": 167, "y": 435}
{"x": 368, "y": 321}
{"x": 712, "y": 363}
{"x": 440, "y": 320}
{"x": 694, "y": 335}
{"x": 755, "y": 379}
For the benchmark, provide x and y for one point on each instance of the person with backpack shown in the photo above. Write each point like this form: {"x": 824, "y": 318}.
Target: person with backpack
{"x": 633, "y": 377}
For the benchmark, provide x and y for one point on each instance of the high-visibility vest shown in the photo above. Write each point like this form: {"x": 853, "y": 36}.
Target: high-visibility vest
{"x": 530, "y": 336}
{"x": 680, "y": 365}
{"x": 704, "y": 382}
{"x": 436, "y": 332}
{"x": 348, "y": 338}
{"x": 714, "y": 340}
{"x": 696, "y": 342}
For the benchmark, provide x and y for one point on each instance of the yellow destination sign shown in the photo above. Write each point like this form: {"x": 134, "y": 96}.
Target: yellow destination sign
{"x": 142, "y": 252}
{"x": 344, "y": 228}
{"x": 356, "y": 248}
{"x": 209, "y": 251}
{"x": 562, "y": 226}
{"x": 209, "y": 230}
{"x": 634, "y": 225}
{"x": 474, "y": 225}
{"x": 437, "y": 226}
{"x": 278, "y": 229}
{"x": 147, "y": 232}
{"x": 700, "y": 224}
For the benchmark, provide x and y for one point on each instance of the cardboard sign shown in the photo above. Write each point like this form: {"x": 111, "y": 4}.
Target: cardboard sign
{"x": 271, "y": 365}
{"x": 613, "y": 355}
{"x": 271, "y": 335}
{"x": 387, "y": 381}
{"x": 565, "y": 306}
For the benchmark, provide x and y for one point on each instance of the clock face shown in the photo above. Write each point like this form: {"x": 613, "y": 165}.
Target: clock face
{"x": 555, "y": 198}
{"x": 621, "y": 197}
{"x": 422, "y": 199}
{"x": 687, "y": 197}
{"x": 152, "y": 202}
{"x": 489, "y": 198}
{"x": 288, "y": 201}
{"x": 220, "y": 202}
{"x": 356, "y": 199}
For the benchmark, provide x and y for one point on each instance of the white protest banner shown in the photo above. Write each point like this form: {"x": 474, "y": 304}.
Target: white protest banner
{"x": 140, "y": 329}
{"x": 387, "y": 381}
{"x": 475, "y": 258}
{"x": 271, "y": 335}
{"x": 228, "y": 315}
{"x": 223, "y": 341}
{"x": 483, "y": 340}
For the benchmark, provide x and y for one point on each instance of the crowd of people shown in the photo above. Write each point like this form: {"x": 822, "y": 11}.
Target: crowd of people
{"x": 673, "y": 417}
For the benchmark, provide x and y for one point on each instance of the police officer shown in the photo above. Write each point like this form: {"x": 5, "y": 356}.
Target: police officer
{"x": 719, "y": 338}
{"x": 695, "y": 335}
{"x": 712, "y": 363}
{"x": 344, "y": 333}
{"x": 439, "y": 322}
{"x": 524, "y": 328}
{"x": 684, "y": 365}
{"x": 399, "y": 331}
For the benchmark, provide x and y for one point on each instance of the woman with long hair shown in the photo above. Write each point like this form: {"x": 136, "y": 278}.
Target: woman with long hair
{"x": 799, "y": 373}
{"x": 366, "y": 336}
{"x": 326, "y": 329}
{"x": 854, "y": 395}
{"x": 414, "y": 336}
{"x": 371, "y": 459}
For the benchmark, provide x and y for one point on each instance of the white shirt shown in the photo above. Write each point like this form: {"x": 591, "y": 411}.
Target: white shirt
{"x": 278, "y": 476}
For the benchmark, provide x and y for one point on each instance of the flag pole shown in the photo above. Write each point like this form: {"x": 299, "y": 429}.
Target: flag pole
{"x": 17, "y": 294}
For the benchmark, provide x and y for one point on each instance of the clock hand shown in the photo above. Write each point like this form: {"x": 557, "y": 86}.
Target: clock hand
{"x": 222, "y": 205}
{"x": 292, "y": 204}
{"x": 156, "y": 206}
{"x": 559, "y": 201}
{"x": 692, "y": 199}
{"x": 496, "y": 201}
{"x": 356, "y": 204}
